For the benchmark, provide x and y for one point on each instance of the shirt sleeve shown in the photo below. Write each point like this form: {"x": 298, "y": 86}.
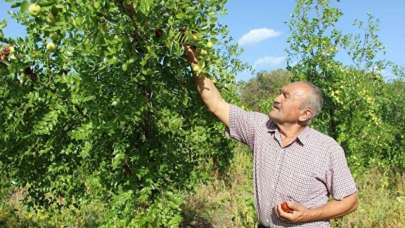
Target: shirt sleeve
{"x": 340, "y": 182}
{"x": 242, "y": 124}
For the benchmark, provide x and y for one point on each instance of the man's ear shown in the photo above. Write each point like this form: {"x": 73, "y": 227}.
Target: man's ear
{"x": 306, "y": 115}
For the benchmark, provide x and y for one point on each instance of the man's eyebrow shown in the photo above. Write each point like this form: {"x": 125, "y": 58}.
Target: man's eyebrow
{"x": 285, "y": 91}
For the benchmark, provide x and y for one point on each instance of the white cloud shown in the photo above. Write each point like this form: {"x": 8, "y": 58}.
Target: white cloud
{"x": 257, "y": 35}
{"x": 269, "y": 61}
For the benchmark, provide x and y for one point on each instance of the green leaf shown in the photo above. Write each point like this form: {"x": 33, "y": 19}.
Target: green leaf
{"x": 118, "y": 160}
{"x": 3, "y": 24}
{"x": 145, "y": 6}
{"x": 83, "y": 132}
{"x": 24, "y": 6}
{"x": 85, "y": 152}
{"x": 46, "y": 125}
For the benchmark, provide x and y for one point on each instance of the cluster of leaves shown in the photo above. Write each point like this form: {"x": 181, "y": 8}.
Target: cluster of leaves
{"x": 359, "y": 103}
{"x": 99, "y": 102}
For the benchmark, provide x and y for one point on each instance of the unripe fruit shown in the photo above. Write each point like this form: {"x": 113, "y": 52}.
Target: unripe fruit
{"x": 50, "y": 18}
{"x": 203, "y": 52}
{"x": 34, "y": 9}
{"x": 194, "y": 37}
{"x": 11, "y": 49}
{"x": 210, "y": 44}
{"x": 50, "y": 46}
{"x": 12, "y": 57}
{"x": 196, "y": 68}
{"x": 54, "y": 36}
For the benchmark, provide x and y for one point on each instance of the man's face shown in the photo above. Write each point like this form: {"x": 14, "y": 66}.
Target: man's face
{"x": 287, "y": 107}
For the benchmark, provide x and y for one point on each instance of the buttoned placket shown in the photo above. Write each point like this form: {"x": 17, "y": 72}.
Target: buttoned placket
{"x": 276, "y": 171}
{"x": 256, "y": 167}
{"x": 280, "y": 159}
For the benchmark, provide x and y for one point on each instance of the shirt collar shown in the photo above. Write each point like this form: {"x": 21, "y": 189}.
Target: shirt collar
{"x": 302, "y": 137}
{"x": 271, "y": 126}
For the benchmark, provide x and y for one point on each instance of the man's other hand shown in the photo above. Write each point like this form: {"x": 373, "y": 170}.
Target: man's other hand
{"x": 296, "y": 215}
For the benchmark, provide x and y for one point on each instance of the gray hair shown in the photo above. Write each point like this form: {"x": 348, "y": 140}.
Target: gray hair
{"x": 314, "y": 99}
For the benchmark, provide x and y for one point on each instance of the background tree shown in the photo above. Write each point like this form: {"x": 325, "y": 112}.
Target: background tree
{"x": 258, "y": 93}
{"x": 355, "y": 95}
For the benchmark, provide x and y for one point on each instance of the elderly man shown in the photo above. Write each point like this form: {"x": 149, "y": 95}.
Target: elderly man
{"x": 296, "y": 168}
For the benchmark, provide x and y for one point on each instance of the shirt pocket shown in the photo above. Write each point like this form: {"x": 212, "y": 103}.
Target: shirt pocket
{"x": 296, "y": 187}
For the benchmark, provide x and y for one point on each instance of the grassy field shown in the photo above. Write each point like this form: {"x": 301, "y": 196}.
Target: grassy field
{"x": 226, "y": 201}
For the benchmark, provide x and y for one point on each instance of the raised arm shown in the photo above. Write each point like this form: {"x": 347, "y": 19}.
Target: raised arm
{"x": 208, "y": 91}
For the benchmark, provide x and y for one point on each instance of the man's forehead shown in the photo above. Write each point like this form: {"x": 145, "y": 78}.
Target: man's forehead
{"x": 296, "y": 88}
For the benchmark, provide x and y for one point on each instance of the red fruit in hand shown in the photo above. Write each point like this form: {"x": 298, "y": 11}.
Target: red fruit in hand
{"x": 286, "y": 208}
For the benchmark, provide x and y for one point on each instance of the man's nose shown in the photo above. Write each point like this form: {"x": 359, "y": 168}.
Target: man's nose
{"x": 278, "y": 99}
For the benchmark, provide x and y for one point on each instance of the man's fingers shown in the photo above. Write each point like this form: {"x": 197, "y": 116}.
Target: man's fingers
{"x": 283, "y": 215}
{"x": 191, "y": 49}
{"x": 276, "y": 211}
{"x": 280, "y": 212}
{"x": 191, "y": 54}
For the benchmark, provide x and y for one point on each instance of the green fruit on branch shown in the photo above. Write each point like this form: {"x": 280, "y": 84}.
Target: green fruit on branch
{"x": 34, "y": 9}
{"x": 54, "y": 36}
{"x": 210, "y": 44}
{"x": 11, "y": 49}
{"x": 203, "y": 52}
{"x": 50, "y": 46}
{"x": 195, "y": 36}
{"x": 50, "y": 18}
{"x": 196, "y": 68}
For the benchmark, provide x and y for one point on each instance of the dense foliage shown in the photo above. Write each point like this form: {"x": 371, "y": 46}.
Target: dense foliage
{"x": 98, "y": 103}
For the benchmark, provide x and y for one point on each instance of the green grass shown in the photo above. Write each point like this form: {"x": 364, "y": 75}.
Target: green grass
{"x": 225, "y": 201}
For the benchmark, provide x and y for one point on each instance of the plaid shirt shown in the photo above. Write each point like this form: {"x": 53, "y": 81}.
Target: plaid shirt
{"x": 306, "y": 171}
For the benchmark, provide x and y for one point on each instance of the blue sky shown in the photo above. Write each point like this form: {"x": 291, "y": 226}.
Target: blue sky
{"x": 265, "y": 19}
{"x": 258, "y": 26}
